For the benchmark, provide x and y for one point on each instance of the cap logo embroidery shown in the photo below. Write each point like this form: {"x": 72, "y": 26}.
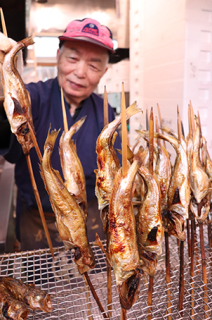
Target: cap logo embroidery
{"x": 91, "y": 28}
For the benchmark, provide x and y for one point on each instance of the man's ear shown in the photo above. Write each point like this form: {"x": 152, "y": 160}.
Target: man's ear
{"x": 106, "y": 70}
{"x": 58, "y": 53}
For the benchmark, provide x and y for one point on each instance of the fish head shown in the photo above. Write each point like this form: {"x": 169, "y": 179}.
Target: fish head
{"x": 38, "y": 299}
{"x": 129, "y": 290}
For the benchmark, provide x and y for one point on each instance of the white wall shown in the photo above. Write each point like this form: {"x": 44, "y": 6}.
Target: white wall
{"x": 170, "y": 60}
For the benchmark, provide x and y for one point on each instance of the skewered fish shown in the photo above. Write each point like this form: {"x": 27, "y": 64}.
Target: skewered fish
{"x": 70, "y": 219}
{"x": 179, "y": 190}
{"x": 107, "y": 160}
{"x": 200, "y": 181}
{"x": 17, "y": 103}
{"x": 11, "y": 308}
{"x": 122, "y": 248}
{"x": 149, "y": 224}
{"x": 28, "y": 293}
{"x": 71, "y": 166}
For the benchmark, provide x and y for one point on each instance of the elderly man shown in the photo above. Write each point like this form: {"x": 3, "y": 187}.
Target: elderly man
{"x": 82, "y": 59}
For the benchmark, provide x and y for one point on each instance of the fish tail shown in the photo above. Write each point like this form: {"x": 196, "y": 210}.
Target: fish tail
{"x": 132, "y": 110}
{"x": 51, "y": 138}
{"x": 76, "y": 126}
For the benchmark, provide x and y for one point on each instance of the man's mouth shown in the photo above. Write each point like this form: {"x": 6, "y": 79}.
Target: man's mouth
{"x": 76, "y": 85}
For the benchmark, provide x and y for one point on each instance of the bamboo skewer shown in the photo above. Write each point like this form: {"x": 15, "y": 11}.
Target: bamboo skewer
{"x": 202, "y": 247}
{"x": 192, "y": 249}
{"x": 65, "y": 122}
{"x": 192, "y": 124}
{"x": 161, "y": 123}
{"x": 124, "y": 133}
{"x": 124, "y": 157}
{"x": 167, "y": 251}
{"x": 85, "y": 274}
{"x": 181, "y": 280}
{"x": 106, "y": 121}
{"x": 90, "y": 317}
{"x": 40, "y": 209}
{"x": 192, "y": 268}
{"x": 109, "y": 279}
{"x": 4, "y": 29}
{"x": 151, "y": 154}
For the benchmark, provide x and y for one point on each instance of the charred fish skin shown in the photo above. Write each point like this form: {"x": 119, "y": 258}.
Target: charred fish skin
{"x": 28, "y": 293}
{"x": 149, "y": 222}
{"x": 70, "y": 219}
{"x": 163, "y": 175}
{"x": 149, "y": 227}
{"x": 11, "y": 308}
{"x": 122, "y": 248}
{"x": 107, "y": 160}
{"x": 71, "y": 166}
{"x": 17, "y": 103}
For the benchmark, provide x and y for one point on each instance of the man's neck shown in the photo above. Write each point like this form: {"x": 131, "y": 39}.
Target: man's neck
{"x": 73, "y": 108}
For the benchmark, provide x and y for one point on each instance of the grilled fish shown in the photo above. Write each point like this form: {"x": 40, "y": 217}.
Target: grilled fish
{"x": 11, "y": 308}
{"x": 107, "y": 160}
{"x": 179, "y": 190}
{"x": 122, "y": 247}
{"x": 70, "y": 219}
{"x": 72, "y": 168}
{"x": 17, "y": 102}
{"x": 149, "y": 223}
{"x": 28, "y": 293}
{"x": 162, "y": 169}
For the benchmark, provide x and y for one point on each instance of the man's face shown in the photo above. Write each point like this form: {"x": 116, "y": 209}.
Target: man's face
{"x": 80, "y": 67}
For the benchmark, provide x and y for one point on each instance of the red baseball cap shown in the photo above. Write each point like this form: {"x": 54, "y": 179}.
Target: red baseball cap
{"x": 89, "y": 30}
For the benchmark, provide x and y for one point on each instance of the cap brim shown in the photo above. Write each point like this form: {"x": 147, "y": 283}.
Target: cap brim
{"x": 86, "y": 39}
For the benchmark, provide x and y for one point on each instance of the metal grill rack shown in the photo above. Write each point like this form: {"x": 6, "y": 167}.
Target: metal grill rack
{"x": 71, "y": 298}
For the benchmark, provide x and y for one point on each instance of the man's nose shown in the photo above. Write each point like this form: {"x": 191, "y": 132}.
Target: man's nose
{"x": 81, "y": 69}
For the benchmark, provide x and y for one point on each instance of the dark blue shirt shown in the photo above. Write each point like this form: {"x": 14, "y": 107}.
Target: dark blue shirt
{"x": 46, "y": 111}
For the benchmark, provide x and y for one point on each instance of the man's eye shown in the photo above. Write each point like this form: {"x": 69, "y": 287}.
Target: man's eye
{"x": 93, "y": 67}
{"x": 73, "y": 59}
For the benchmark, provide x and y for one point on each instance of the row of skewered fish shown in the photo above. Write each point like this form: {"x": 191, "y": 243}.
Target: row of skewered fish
{"x": 16, "y": 298}
{"x": 139, "y": 207}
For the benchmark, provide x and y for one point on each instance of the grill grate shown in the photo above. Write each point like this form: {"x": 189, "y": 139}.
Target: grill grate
{"x": 72, "y": 300}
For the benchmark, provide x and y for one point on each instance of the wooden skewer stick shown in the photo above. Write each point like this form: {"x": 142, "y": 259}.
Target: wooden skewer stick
{"x": 124, "y": 157}
{"x": 192, "y": 125}
{"x": 65, "y": 122}
{"x": 181, "y": 280}
{"x": 161, "y": 122}
{"x": 85, "y": 275}
{"x": 192, "y": 268}
{"x": 109, "y": 274}
{"x": 124, "y": 133}
{"x": 95, "y": 296}
{"x": 204, "y": 270}
{"x": 40, "y": 209}
{"x": 3, "y": 23}
{"x": 151, "y": 154}
{"x": 192, "y": 249}
{"x": 168, "y": 267}
{"x": 90, "y": 317}
{"x": 106, "y": 121}
{"x": 202, "y": 247}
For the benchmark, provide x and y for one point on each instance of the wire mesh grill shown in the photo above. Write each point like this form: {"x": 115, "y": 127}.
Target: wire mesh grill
{"x": 72, "y": 299}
